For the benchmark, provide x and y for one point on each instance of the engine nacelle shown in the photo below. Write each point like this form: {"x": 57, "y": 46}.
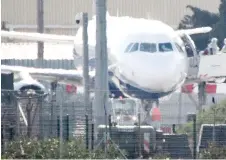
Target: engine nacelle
{"x": 26, "y": 85}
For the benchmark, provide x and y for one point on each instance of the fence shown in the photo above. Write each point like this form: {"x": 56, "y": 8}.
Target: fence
{"x": 36, "y": 117}
{"x": 45, "y": 123}
{"x": 55, "y": 64}
{"x": 39, "y": 118}
{"x": 39, "y": 106}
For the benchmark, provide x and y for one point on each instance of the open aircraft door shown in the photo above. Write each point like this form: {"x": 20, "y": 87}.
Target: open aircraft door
{"x": 193, "y": 58}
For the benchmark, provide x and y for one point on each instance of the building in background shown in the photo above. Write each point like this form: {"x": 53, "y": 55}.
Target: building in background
{"x": 59, "y": 14}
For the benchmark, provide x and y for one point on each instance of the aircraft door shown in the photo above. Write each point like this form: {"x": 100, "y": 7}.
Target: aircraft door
{"x": 189, "y": 45}
{"x": 192, "y": 55}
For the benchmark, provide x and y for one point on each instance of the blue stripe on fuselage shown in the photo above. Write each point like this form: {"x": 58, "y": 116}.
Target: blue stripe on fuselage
{"x": 134, "y": 91}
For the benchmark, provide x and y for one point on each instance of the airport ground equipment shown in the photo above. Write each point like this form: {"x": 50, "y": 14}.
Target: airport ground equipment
{"x": 206, "y": 135}
{"x": 145, "y": 141}
{"x": 127, "y": 138}
{"x": 176, "y": 145}
{"x": 124, "y": 111}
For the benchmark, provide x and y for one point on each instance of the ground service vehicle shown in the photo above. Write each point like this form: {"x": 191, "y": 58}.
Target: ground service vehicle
{"x": 124, "y": 111}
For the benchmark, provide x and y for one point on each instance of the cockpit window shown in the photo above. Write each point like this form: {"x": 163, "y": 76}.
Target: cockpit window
{"x": 134, "y": 47}
{"x": 148, "y": 47}
{"x": 165, "y": 47}
{"x": 128, "y": 47}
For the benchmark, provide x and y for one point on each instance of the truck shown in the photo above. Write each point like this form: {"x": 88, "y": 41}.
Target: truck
{"x": 125, "y": 111}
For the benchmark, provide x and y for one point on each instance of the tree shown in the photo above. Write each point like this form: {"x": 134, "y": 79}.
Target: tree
{"x": 206, "y": 117}
{"x": 219, "y": 30}
{"x": 202, "y": 18}
{"x": 199, "y": 18}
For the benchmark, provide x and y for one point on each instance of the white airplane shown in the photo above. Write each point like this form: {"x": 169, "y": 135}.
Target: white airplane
{"x": 148, "y": 59}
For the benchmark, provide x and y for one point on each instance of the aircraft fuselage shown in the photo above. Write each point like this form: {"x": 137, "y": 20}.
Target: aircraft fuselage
{"x": 149, "y": 57}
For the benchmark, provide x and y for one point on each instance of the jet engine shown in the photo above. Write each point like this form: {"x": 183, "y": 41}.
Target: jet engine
{"x": 24, "y": 83}
{"x": 19, "y": 86}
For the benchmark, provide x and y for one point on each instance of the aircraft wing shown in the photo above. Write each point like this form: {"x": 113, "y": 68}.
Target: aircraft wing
{"x": 38, "y": 37}
{"x": 71, "y": 39}
{"x": 59, "y": 75}
{"x": 194, "y": 31}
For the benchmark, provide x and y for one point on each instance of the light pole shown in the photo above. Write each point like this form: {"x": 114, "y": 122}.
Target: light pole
{"x": 40, "y": 27}
{"x": 101, "y": 76}
{"x": 214, "y": 112}
{"x": 194, "y": 136}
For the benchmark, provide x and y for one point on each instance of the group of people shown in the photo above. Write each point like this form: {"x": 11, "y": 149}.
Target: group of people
{"x": 213, "y": 48}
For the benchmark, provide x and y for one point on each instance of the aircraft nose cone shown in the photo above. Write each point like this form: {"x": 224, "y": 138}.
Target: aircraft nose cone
{"x": 155, "y": 72}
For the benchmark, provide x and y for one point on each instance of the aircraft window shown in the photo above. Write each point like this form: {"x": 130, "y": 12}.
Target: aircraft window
{"x": 128, "y": 47}
{"x": 148, "y": 47}
{"x": 179, "y": 48}
{"x": 134, "y": 47}
{"x": 165, "y": 47}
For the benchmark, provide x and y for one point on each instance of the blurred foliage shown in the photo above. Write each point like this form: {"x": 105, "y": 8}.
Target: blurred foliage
{"x": 50, "y": 149}
{"x": 213, "y": 152}
{"x": 207, "y": 117}
{"x": 199, "y": 18}
{"x": 203, "y": 18}
{"x": 219, "y": 30}
{"x": 161, "y": 155}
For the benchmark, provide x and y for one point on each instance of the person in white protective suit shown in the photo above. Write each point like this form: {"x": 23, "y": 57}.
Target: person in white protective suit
{"x": 213, "y": 48}
{"x": 223, "y": 50}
